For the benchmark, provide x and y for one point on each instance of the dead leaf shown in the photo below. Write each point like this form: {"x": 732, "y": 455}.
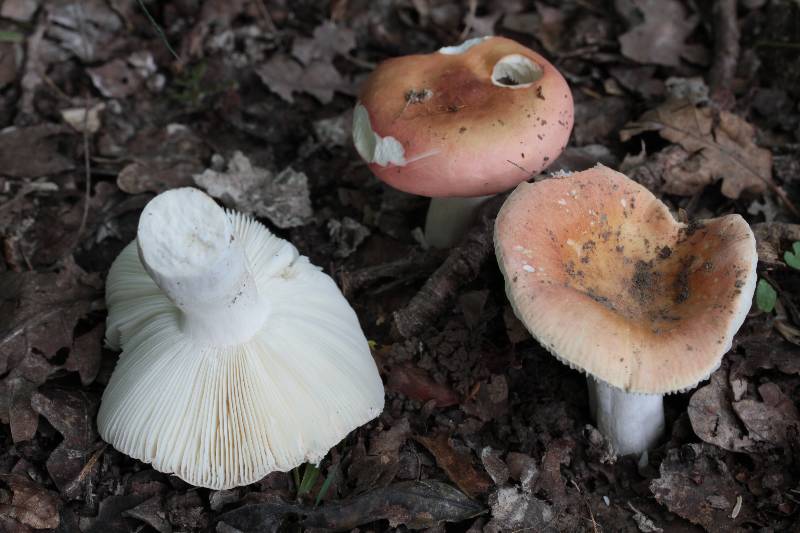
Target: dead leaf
{"x": 713, "y": 418}
{"x": 19, "y": 10}
{"x": 718, "y": 149}
{"x": 42, "y": 140}
{"x": 491, "y": 399}
{"x": 661, "y": 37}
{"x": 30, "y": 503}
{"x": 283, "y": 198}
{"x": 695, "y": 484}
{"x": 285, "y": 76}
{"x": 597, "y": 118}
{"x": 494, "y": 465}
{"x": 163, "y": 158}
{"x": 38, "y": 312}
{"x": 774, "y": 421}
{"x": 546, "y": 24}
{"x": 514, "y": 510}
{"x": 90, "y": 30}
{"x": 85, "y": 356}
{"x": 116, "y": 79}
{"x": 83, "y": 119}
{"x": 10, "y": 62}
{"x": 559, "y": 452}
{"x": 643, "y": 522}
{"x": 640, "y": 80}
{"x": 416, "y": 383}
{"x": 156, "y": 176}
{"x": 22, "y": 418}
{"x": 771, "y": 238}
{"x": 186, "y": 512}
{"x": 71, "y": 412}
{"x": 347, "y": 235}
{"x": 380, "y": 466}
{"x": 152, "y": 513}
{"x": 522, "y": 467}
{"x": 766, "y": 353}
{"x": 417, "y": 504}
{"x": 214, "y": 13}
{"x": 329, "y": 39}
{"x": 457, "y": 464}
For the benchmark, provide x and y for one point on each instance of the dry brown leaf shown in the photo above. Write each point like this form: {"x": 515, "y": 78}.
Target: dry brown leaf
{"x": 720, "y": 147}
{"x": 417, "y": 384}
{"x": 770, "y": 239}
{"x": 283, "y": 198}
{"x": 660, "y": 37}
{"x": 30, "y": 504}
{"x": 329, "y": 40}
{"x": 713, "y": 418}
{"x": 773, "y": 422}
{"x": 456, "y": 464}
{"x": 285, "y": 76}
{"x": 42, "y": 140}
{"x": 695, "y": 484}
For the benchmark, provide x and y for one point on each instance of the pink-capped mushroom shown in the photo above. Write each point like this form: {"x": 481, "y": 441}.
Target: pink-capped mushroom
{"x": 461, "y": 124}
{"x": 610, "y": 283}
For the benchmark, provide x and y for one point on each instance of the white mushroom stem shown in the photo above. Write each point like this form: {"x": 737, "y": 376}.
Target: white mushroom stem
{"x": 632, "y": 422}
{"x": 449, "y": 219}
{"x": 187, "y": 245}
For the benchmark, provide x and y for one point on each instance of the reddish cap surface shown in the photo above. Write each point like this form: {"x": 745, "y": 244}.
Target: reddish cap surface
{"x": 471, "y": 120}
{"x": 604, "y": 277}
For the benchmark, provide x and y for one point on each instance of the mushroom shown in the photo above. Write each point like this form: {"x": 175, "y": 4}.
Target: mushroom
{"x": 239, "y": 357}
{"x": 462, "y": 124}
{"x": 611, "y": 284}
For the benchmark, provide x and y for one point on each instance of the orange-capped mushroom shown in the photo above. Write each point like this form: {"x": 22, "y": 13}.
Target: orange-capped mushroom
{"x": 465, "y": 121}
{"x": 610, "y": 283}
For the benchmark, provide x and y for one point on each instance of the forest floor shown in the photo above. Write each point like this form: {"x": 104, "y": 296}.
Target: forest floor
{"x": 483, "y": 430}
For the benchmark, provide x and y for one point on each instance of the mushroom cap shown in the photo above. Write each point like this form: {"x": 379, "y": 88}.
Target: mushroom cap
{"x": 224, "y": 416}
{"x": 610, "y": 283}
{"x": 471, "y": 120}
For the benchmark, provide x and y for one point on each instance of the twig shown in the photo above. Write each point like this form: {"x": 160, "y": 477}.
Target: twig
{"x": 264, "y": 12}
{"x": 588, "y": 507}
{"x": 726, "y": 53}
{"x": 473, "y": 9}
{"x": 461, "y": 266}
{"x": 85, "y": 127}
{"x": 412, "y": 263}
{"x": 159, "y": 31}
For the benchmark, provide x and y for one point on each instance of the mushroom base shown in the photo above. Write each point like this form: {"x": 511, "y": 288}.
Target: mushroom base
{"x": 449, "y": 219}
{"x": 632, "y": 422}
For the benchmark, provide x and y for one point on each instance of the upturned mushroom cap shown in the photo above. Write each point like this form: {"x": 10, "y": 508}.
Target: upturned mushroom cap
{"x": 463, "y": 121}
{"x": 604, "y": 277}
{"x": 218, "y": 413}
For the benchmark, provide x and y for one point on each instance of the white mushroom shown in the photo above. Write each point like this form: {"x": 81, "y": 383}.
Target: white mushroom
{"x": 239, "y": 357}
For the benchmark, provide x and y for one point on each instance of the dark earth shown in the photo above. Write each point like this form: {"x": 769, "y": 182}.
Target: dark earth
{"x": 104, "y": 103}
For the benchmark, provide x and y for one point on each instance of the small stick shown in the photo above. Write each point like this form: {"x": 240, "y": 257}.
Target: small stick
{"x": 726, "y": 53}
{"x": 461, "y": 266}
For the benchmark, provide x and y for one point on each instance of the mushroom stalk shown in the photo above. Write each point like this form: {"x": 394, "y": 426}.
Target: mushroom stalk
{"x": 187, "y": 244}
{"x": 449, "y": 219}
{"x": 633, "y": 422}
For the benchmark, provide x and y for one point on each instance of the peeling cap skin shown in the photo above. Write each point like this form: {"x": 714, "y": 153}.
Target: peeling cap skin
{"x": 604, "y": 277}
{"x": 239, "y": 357}
{"x": 471, "y": 120}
